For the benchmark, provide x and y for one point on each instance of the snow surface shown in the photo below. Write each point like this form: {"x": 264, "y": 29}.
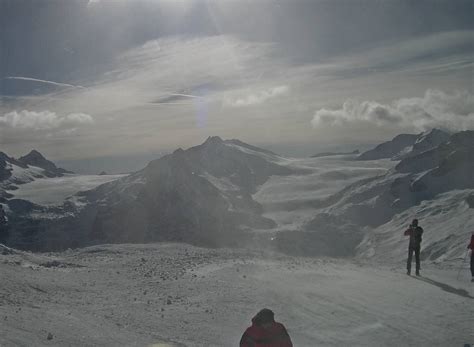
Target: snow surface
{"x": 179, "y": 295}
{"x": 285, "y": 198}
{"x": 22, "y": 175}
{"x": 448, "y": 223}
{"x": 53, "y": 191}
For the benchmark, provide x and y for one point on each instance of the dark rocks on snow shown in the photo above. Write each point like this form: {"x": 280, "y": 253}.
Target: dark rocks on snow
{"x": 390, "y": 148}
{"x": 35, "y": 158}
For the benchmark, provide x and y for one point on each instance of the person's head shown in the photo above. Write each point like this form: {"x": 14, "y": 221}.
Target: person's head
{"x": 414, "y": 222}
{"x": 264, "y": 318}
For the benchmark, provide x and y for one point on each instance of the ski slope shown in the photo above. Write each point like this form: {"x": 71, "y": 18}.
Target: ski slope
{"x": 179, "y": 295}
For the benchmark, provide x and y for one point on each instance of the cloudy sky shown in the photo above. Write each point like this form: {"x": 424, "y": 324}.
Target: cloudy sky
{"x": 91, "y": 79}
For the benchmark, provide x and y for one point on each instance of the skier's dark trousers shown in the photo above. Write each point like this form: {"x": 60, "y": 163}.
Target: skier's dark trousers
{"x": 471, "y": 247}
{"x": 415, "y": 232}
{"x": 3, "y": 225}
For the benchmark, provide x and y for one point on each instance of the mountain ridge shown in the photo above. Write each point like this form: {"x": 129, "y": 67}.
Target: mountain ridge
{"x": 406, "y": 145}
{"x": 370, "y": 204}
{"x": 35, "y": 158}
{"x": 201, "y": 195}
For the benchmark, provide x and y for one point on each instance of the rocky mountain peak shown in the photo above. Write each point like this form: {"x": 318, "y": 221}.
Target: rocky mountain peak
{"x": 463, "y": 138}
{"x": 35, "y": 158}
{"x": 433, "y": 137}
{"x": 213, "y": 140}
{"x": 389, "y": 149}
{"x": 33, "y": 155}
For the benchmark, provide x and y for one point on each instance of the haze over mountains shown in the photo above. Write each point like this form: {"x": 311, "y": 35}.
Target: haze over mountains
{"x": 201, "y": 195}
{"x": 415, "y": 187}
{"x": 338, "y": 123}
{"x": 228, "y": 193}
{"x": 256, "y": 213}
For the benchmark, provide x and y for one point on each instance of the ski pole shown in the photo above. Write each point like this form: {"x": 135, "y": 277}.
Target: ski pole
{"x": 460, "y": 268}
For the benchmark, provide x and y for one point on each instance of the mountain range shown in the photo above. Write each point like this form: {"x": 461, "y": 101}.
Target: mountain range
{"x": 211, "y": 195}
{"x": 27, "y": 168}
{"x": 413, "y": 188}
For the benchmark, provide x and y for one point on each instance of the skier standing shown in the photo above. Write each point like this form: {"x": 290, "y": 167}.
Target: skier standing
{"x": 3, "y": 225}
{"x": 265, "y": 332}
{"x": 471, "y": 247}
{"x": 415, "y": 232}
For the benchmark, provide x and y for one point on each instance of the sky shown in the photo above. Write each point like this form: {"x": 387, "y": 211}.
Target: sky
{"x": 90, "y": 80}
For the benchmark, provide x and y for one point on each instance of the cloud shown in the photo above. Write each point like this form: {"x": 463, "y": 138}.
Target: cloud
{"x": 258, "y": 97}
{"x": 440, "y": 52}
{"x": 43, "y": 120}
{"x": 181, "y": 87}
{"x": 171, "y": 69}
{"x": 436, "y": 109}
{"x": 19, "y": 78}
{"x": 93, "y": 2}
{"x": 235, "y": 73}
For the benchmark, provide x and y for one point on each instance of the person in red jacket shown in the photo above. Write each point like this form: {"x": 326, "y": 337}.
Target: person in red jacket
{"x": 471, "y": 247}
{"x": 265, "y": 332}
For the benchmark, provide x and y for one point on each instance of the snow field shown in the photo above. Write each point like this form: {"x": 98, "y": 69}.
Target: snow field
{"x": 142, "y": 295}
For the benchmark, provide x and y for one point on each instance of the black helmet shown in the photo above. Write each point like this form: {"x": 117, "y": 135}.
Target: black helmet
{"x": 264, "y": 316}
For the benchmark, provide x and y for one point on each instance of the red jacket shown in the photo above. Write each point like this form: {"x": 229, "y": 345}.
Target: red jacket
{"x": 471, "y": 245}
{"x": 273, "y": 336}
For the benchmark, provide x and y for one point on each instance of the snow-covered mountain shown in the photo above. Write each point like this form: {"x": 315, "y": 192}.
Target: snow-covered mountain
{"x": 406, "y": 145}
{"x": 231, "y": 193}
{"x": 34, "y": 195}
{"x": 14, "y": 172}
{"x": 201, "y": 195}
{"x": 389, "y": 149}
{"x": 214, "y": 194}
{"x": 434, "y": 186}
{"x": 35, "y": 158}
{"x": 424, "y": 142}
